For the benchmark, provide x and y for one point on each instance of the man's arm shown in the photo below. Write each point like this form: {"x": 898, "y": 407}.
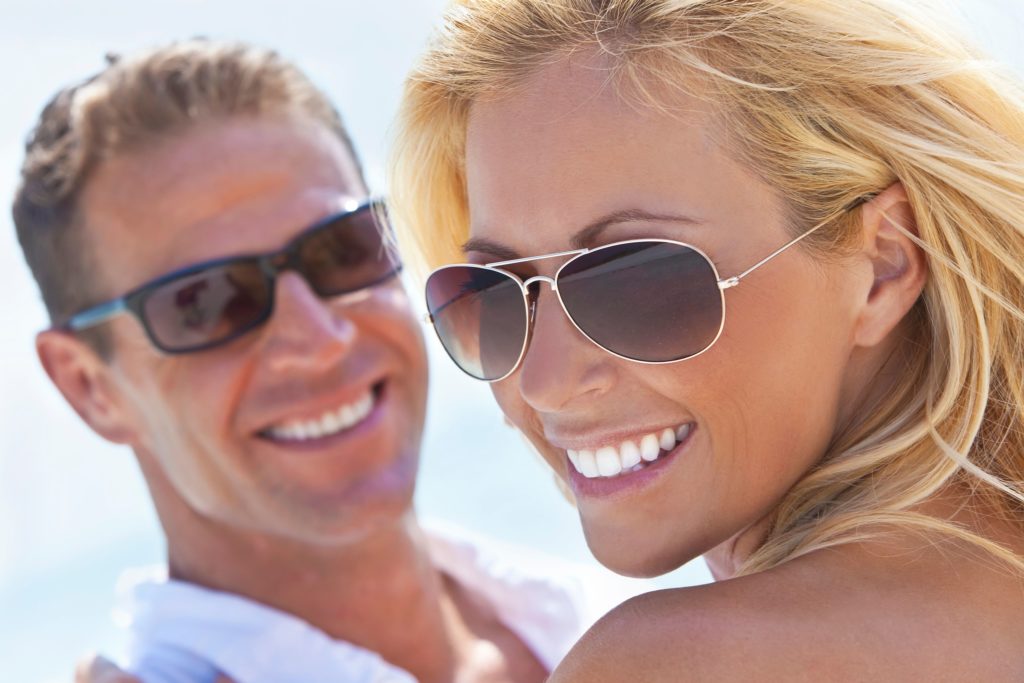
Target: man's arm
{"x": 96, "y": 669}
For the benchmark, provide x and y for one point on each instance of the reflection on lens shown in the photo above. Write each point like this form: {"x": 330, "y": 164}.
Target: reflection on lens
{"x": 480, "y": 317}
{"x": 204, "y": 307}
{"x": 346, "y": 254}
{"x": 647, "y": 301}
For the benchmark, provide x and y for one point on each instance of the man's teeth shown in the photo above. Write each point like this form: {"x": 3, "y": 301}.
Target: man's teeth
{"x": 330, "y": 423}
{"x": 628, "y": 456}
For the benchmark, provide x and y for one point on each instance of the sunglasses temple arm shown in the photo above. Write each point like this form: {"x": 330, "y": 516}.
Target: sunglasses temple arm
{"x": 96, "y": 315}
{"x": 731, "y": 282}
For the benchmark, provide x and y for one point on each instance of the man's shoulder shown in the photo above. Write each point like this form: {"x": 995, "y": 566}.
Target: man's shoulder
{"x": 180, "y": 631}
{"x": 475, "y": 556}
{"x": 548, "y": 602}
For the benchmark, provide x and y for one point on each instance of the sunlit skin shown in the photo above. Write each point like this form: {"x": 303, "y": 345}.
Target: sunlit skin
{"x": 804, "y": 348}
{"x": 765, "y": 400}
{"x": 200, "y": 415}
{"x": 324, "y": 529}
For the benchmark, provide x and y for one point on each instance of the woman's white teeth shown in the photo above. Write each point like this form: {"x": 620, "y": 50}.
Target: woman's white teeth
{"x": 630, "y": 454}
{"x": 649, "y": 448}
{"x": 328, "y": 424}
{"x": 610, "y": 461}
{"x": 574, "y": 456}
{"x": 588, "y": 466}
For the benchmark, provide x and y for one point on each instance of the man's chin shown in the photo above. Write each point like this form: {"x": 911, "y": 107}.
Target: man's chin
{"x": 348, "y": 515}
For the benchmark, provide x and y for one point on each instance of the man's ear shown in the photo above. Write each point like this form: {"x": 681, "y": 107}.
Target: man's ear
{"x": 899, "y": 265}
{"x": 84, "y": 380}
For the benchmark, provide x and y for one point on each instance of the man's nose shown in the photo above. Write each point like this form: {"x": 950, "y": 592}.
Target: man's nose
{"x": 561, "y": 366}
{"x": 305, "y": 332}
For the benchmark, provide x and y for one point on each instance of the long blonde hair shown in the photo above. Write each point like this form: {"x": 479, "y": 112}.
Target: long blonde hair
{"x": 832, "y": 100}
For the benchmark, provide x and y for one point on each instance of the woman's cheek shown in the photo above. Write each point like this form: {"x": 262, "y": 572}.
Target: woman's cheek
{"x": 522, "y": 418}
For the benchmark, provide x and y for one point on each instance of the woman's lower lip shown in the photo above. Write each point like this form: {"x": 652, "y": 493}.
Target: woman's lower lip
{"x": 625, "y": 483}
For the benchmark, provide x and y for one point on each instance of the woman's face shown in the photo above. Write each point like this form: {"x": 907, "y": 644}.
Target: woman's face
{"x": 747, "y": 418}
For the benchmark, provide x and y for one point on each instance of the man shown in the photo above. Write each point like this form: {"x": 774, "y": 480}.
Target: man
{"x": 274, "y": 401}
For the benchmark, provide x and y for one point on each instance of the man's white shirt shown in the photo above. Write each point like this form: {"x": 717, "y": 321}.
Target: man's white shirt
{"x": 183, "y": 633}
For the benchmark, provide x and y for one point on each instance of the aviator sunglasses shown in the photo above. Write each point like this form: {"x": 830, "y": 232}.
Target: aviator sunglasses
{"x": 646, "y": 300}
{"x": 212, "y": 303}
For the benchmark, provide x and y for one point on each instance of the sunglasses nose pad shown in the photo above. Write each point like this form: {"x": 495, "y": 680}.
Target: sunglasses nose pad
{"x": 532, "y": 296}
{"x": 533, "y": 289}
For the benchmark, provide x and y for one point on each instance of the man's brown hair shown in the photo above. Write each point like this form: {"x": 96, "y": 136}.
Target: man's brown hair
{"x": 134, "y": 101}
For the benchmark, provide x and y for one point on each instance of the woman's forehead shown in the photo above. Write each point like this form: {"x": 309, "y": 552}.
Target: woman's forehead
{"x": 565, "y": 150}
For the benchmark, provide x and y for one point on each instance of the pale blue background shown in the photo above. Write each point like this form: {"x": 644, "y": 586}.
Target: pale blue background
{"x": 74, "y": 510}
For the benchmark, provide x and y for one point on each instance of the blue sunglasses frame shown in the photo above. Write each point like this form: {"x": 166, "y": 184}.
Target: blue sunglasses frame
{"x": 270, "y": 265}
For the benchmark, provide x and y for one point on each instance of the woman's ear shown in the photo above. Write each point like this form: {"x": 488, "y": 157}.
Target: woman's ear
{"x": 899, "y": 265}
{"x": 84, "y": 380}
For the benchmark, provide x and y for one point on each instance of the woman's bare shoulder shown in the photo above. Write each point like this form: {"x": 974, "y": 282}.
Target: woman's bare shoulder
{"x": 734, "y": 630}
{"x": 818, "y": 618}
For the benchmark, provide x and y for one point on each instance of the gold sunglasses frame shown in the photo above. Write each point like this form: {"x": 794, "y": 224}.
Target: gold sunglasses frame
{"x": 530, "y": 307}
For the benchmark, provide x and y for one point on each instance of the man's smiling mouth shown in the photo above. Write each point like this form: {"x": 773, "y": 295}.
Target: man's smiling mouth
{"x": 330, "y": 423}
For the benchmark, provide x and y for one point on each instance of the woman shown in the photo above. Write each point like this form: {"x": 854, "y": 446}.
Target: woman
{"x": 749, "y": 274}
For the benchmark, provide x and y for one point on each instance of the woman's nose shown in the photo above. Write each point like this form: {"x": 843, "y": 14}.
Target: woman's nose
{"x": 561, "y": 366}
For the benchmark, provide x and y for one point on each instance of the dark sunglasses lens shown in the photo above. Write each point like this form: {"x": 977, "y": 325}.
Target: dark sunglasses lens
{"x": 647, "y": 301}
{"x": 212, "y": 305}
{"x": 346, "y": 254}
{"x": 480, "y": 317}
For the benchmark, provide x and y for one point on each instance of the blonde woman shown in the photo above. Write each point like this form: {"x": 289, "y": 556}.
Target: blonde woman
{"x": 749, "y": 274}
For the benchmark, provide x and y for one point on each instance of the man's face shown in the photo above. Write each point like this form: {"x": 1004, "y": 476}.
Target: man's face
{"x": 269, "y": 432}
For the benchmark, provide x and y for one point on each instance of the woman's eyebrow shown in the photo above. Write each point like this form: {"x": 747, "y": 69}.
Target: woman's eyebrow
{"x": 489, "y": 246}
{"x": 584, "y": 238}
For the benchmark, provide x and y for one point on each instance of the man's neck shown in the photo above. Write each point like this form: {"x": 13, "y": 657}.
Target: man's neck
{"x": 356, "y": 591}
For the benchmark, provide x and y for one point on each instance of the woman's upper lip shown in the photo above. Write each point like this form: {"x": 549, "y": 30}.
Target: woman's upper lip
{"x": 578, "y": 439}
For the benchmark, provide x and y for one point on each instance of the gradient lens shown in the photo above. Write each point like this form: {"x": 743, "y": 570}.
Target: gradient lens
{"x": 481, "y": 318}
{"x": 648, "y": 301}
{"x": 208, "y": 306}
{"x": 346, "y": 254}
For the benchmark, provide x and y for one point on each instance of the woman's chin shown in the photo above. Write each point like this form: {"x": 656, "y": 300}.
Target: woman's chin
{"x": 638, "y": 560}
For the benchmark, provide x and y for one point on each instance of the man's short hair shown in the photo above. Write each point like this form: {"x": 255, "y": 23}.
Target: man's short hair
{"x": 134, "y": 101}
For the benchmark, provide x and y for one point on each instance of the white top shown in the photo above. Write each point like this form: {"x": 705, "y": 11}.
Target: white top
{"x": 182, "y": 633}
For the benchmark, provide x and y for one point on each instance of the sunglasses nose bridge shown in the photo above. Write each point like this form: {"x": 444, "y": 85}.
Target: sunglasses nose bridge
{"x": 275, "y": 264}
{"x": 541, "y": 278}
{"x": 532, "y": 296}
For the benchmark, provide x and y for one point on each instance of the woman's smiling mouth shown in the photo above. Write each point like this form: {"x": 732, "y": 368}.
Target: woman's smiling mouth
{"x": 628, "y": 466}
{"x": 632, "y": 455}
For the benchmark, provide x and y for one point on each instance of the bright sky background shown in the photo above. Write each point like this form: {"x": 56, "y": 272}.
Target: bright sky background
{"x": 73, "y": 509}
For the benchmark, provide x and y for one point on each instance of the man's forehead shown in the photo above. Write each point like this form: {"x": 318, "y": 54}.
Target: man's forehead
{"x": 237, "y": 187}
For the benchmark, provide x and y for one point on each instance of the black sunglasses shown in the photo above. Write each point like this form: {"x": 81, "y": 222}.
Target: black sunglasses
{"x": 212, "y": 303}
